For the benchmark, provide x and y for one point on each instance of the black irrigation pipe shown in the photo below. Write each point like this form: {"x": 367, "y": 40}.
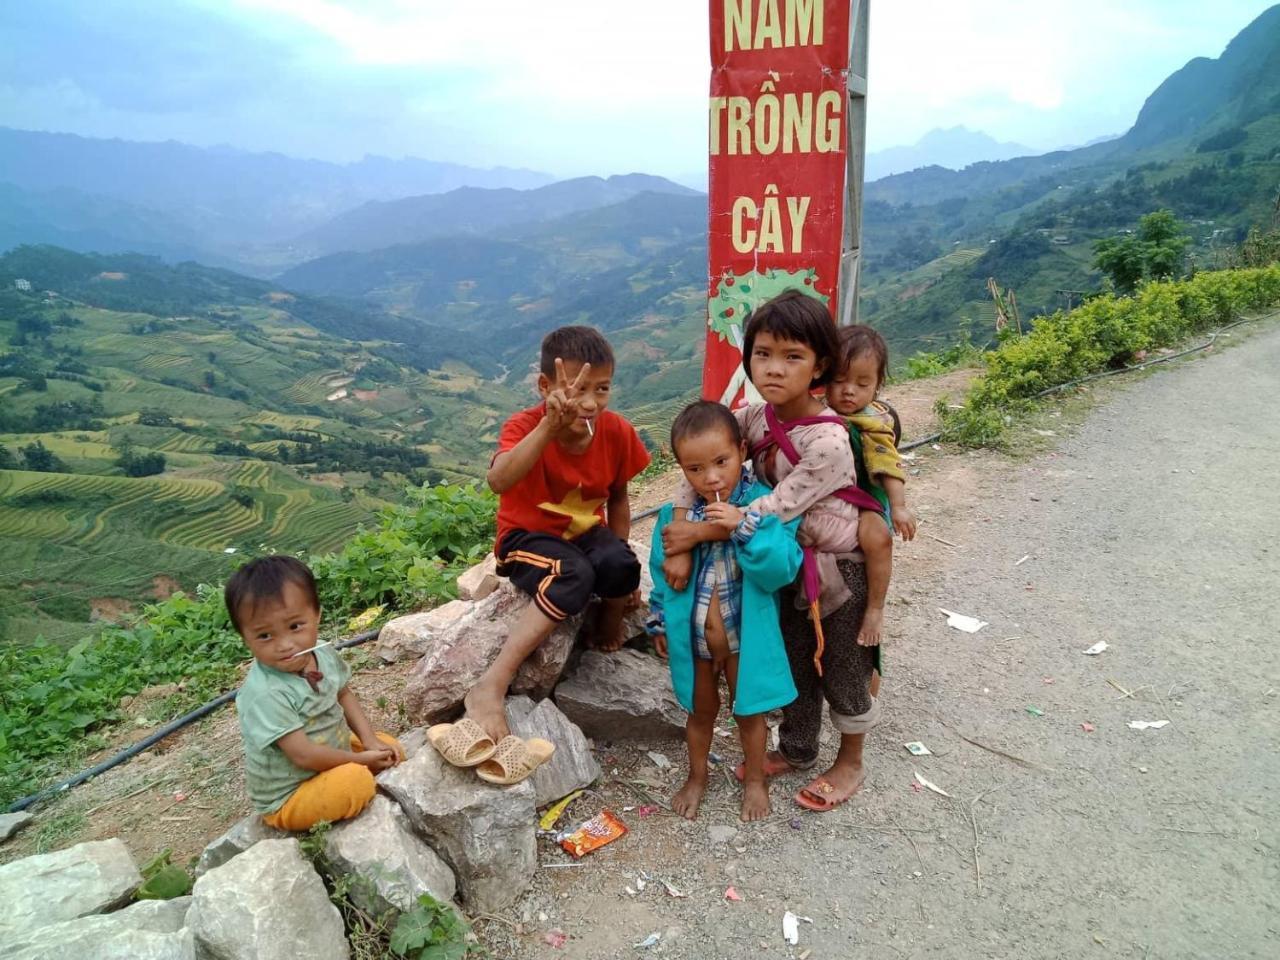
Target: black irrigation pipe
{"x": 186, "y": 720}
{"x": 173, "y": 726}
{"x": 935, "y": 437}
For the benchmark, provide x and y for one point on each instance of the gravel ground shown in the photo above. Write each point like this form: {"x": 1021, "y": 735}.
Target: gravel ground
{"x": 1153, "y": 526}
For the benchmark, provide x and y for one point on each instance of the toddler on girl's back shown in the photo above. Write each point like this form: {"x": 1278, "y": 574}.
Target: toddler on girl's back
{"x": 310, "y": 752}
{"x": 725, "y": 618}
{"x": 873, "y": 433}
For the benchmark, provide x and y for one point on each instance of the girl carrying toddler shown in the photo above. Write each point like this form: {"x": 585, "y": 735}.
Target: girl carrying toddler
{"x": 803, "y": 451}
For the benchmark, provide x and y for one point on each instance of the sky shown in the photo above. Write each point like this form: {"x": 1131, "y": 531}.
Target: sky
{"x": 569, "y": 87}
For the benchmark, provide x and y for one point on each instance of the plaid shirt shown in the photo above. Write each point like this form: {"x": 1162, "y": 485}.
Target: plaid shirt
{"x": 718, "y": 575}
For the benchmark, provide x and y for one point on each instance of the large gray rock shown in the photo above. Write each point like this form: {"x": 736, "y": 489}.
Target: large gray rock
{"x": 455, "y": 657}
{"x": 479, "y": 581}
{"x": 411, "y": 636}
{"x": 392, "y": 866}
{"x": 485, "y": 833}
{"x": 243, "y": 835}
{"x": 621, "y": 696}
{"x": 266, "y": 904}
{"x": 572, "y": 766}
{"x": 11, "y": 823}
{"x": 54, "y": 887}
{"x": 149, "y": 930}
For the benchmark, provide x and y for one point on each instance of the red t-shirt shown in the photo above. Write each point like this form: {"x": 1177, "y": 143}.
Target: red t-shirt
{"x": 564, "y": 493}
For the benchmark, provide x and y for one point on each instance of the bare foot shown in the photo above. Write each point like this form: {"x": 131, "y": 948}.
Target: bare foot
{"x": 775, "y": 765}
{"x": 689, "y": 799}
{"x": 872, "y": 627}
{"x": 755, "y": 801}
{"x": 485, "y": 707}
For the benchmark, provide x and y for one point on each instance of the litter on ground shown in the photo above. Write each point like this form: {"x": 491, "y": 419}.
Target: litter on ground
{"x": 791, "y": 927}
{"x": 918, "y": 749}
{"x": 1035, "y": 711}
{"x": 601, "y": 829}
{"x": 555, "y": 938}
{"x": 1146, "y": 724}
{"x": 930, "y": 786}
{"x": 732, "y": 894}
{"x": 660, "y": 760}
{"x": 650, "y": 941}
{"x": 556, "y": 810}
{"x": 1096, "y": 649}
{"x": 1088, "y": 727}
{"x": 962, "y": 622}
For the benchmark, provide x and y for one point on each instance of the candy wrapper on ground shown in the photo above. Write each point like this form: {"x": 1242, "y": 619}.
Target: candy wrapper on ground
{"x": 601, "y": 829}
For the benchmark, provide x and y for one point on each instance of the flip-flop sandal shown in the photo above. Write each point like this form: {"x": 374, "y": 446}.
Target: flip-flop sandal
{"x": 463, "y": 744}
{"x": 817, "y": 796}
{"x": 515, "y": 760}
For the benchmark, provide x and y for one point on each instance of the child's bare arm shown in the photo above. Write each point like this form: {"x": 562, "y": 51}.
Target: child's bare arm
{"x": 359, "y": 722}
{"x": 302, "y": 752}
{"x": 904, "y": 521}
{"x": 617, "y": 512}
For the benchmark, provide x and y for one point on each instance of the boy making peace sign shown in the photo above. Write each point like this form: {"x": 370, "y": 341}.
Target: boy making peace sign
{"x": 561, "y": 472}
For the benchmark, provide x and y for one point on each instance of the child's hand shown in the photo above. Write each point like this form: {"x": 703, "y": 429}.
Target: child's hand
{"x": 872, "y": 627}
{"x": 679, "y": 537}
{"x": 377, "y": 760}
{"x": 725, "y": 515}
{"x": 660, "y": 645}
{"x": 677, "y": 569}
{"x": 562, "y": 400}
{"x": 904, "y": 521}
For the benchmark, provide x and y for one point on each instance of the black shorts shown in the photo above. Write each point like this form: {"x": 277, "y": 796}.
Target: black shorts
{"x": 561, "y": 575}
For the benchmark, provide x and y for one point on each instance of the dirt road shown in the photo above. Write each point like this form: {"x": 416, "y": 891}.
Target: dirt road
{"x": 1154, "y": 526}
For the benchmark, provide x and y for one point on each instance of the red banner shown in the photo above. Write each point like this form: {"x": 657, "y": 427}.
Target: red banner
{"x": 779, "y": 72}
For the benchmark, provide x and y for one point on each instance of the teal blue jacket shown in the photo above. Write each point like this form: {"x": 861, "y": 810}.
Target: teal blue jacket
{"x": 769, "y": 561}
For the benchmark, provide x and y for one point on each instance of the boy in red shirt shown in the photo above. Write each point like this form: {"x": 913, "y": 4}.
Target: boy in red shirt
{"x": 561, "y": 471}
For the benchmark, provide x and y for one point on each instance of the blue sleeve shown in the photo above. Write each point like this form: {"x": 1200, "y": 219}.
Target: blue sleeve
{"x": 771, "y": 557}
{"x": 657, "y": 597}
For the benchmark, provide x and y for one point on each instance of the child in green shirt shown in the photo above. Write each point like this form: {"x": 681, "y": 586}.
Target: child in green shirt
{"x": 303, "y": 729}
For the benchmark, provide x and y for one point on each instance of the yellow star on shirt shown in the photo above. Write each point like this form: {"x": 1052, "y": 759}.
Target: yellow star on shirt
{"x": 581, "y": 513}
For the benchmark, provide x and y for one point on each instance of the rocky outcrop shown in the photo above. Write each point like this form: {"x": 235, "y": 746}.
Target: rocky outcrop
{"x": 621, "y": 696}
{"x": 149, "y": 930}
{"x": 572, "y": 766}
{"x": 236, "y": 841}
{"x": 55, "y": 887}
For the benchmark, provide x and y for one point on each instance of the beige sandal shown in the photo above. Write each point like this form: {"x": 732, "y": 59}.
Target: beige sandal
{"x": 515, "y": 759}
{"x": 463, "y": 744}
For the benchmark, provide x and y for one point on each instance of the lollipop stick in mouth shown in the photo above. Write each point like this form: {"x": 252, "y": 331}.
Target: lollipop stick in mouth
{"x": 591, "y": 431}
{"x": 303, "y": 653}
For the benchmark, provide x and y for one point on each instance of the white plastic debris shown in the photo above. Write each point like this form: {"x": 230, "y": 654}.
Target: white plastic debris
{"x": 928, "y": 785}
{"x": 660, "y": 760}
{"x": 1147, "y": 724}
{"x": 641, "y": 882}
{"x": 1023, "y": 560}
{"x": 229, "y": 550}
{"x": 1096, "y": 649}
{"x": 791, "y": 927}
{"x": 650, "y": 941}
{"x": 962, "y": 622}
{"x": 918, "y": 749}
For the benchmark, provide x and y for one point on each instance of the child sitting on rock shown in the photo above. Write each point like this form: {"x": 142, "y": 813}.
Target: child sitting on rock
{"x": 307, "y": 742}
{"x": 873, "y": 433}
{"x": 725, "y": 619}
{"x": 561, "y": 472}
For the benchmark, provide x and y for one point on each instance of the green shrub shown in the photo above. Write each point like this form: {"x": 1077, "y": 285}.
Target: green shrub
{"x": 1104, "y": 332}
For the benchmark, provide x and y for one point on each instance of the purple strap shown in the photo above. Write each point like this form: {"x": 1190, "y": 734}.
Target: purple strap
{"x": 779, "y": 436}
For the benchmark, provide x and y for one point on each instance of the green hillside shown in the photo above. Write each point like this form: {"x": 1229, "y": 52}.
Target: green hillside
{"x": 271, "y": 430}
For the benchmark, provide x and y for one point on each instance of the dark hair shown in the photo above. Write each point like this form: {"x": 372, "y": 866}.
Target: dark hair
{"x": 703, "y": 416}
{"x": 858, "y": 339}
{"x": 579, "y": 344}
{"x": 265, "y": 579}
{"x": 793, "y": 315}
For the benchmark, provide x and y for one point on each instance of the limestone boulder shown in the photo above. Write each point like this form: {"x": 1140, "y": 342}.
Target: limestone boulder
{"x": 268, "y": 903}
{"x": 621, "y": 696}
{"x": 480, "y": 581}
{"x": 573, "y": 765}
{"x": 455, "y": 657}
{"x": 391, "y": 864}
{"x": 484, "y": 832}
{"x": 243, "y": 835}
{"x": 55, "y": 887}
{"x": 409, "y": 637}
{"x": 11, "y": 823}
{"x": 148, "y": 930}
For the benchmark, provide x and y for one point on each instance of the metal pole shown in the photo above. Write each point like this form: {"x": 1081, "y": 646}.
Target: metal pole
{"x": 855, "y": 160}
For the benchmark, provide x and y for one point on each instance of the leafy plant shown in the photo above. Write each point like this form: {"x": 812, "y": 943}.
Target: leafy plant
{"x": 163, "y": 880}
{"x": 1156, "y": 252}
{"x": 431, "y": 931}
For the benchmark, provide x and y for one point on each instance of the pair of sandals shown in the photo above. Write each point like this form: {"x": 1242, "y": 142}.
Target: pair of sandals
{"x": 509, "y": 761}
{"x": 820, "y": 796}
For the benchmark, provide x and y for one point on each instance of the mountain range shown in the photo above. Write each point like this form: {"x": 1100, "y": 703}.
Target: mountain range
{"x": 954, "y": 148}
